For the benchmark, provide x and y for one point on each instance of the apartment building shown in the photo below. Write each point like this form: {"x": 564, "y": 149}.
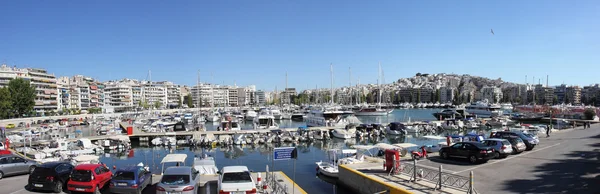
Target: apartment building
{"x": 64, "y": 99}
{"x": 447, "y": 94}
{"x": 45, "y": 88}
{"x": 491, "y": 93}
{"x": 233, "y": 96}
{"x": 118, "y": 96}
{"x": 260, "y": 97}
{"x": 573, "y": 95}
{"x": 154, "y": 93}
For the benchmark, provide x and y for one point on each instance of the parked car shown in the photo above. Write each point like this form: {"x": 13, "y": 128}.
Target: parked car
{"x": 10, "y": 126}
{"x": 234, "y": 179}
{"x": 474, "y": 151}
{"x": 502, "y": 147}
{"x": 529, "y": 141}
{"x": 178, "y": 179}
{"x": 89, "y": 178}
{"x": 11, "y": 164}
{"x": 517, "y": 144}
{"x": 133, "y": 179}
{"x": 50, "y": 176}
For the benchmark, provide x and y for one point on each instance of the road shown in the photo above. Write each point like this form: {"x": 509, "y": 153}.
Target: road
{"x": 566, "y": 162}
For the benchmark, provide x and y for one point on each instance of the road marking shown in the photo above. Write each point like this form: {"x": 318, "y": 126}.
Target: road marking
{"x": 17, "y": 191}
{"x": 494, "y": 162}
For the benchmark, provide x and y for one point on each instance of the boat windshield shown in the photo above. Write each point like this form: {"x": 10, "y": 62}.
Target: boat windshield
{"x": 263, "y": 121}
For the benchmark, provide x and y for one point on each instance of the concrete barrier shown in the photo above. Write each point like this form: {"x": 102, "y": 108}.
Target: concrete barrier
{"x": 365, "y": 184}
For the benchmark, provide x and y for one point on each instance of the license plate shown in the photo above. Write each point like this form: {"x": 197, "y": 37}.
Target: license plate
{"x": 38, "y": 185}
{"x": 489, "y": 151}
{"x": 79, "y": 189}
{"x": 122, "y": 184}
{"x": 173, "y": 192}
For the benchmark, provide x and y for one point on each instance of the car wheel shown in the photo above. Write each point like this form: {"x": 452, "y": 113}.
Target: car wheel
{"x": 444, "y": 155}
{"x": 1, "y": 174}
{"x": 498, "y": 155}
{"x": 514, "y": 150}
{"x": 58, "y": 187}
{"x": 31, "y": 169}
{"x": 473, "y": 159}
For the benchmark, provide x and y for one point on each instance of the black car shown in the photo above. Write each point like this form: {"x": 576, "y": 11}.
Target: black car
{"x": 51, "y": 176}
{"x": 474, "y": 151}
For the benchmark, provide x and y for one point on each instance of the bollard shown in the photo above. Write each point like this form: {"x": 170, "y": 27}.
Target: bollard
{"x": 471, "y": 188}
{"x": 258, "y": 180}
{"x": 414, "y": 170}
{"x": 440, "y": 178}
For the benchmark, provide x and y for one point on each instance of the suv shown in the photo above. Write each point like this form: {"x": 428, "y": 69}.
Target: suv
{"x": 474, "y": 151}
{"x": 11, "y": 164}
{"x": 233, "y": 179}
{"x": 530, "y": 142}
{"x": 133, "y": 179}
{"x": 89, "y": 178}
{"x": 502, "y": 147}
{"x": 50, "y": 176}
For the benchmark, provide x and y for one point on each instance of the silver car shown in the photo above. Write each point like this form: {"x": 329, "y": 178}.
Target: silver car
{"x": 179, "y": 180}
{"x": 502, "y": 147}
{"x": 14, "y": 165}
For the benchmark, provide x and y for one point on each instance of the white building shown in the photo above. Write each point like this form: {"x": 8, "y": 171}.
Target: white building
{"x": 45, "y": 87}
{"x": 447, "y": 94}
{"x": 492, "y": 94}
{"x": 154, "y": 94}
{"x": 118, "y": 96}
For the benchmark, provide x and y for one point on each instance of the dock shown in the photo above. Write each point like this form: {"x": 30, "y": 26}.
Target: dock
{"x": 282, "y": 183}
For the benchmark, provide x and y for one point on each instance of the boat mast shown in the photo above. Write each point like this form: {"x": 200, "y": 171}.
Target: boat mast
{"x": 350, "y": 85}
{"x": 379, "y": 86}
{"x": 331, "y": 72}
{"x": 285, "y": 90}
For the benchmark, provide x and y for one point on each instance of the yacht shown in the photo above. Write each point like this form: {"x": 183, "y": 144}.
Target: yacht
{"x": 229, "y": 123}
{"x": 265, "y": 120}
{"x": 372, "y": 111}
{"x": 250, "y": 115}
{"x": 297, "y": 116}
{"x": 507, "y": 106}
{"x": 213, "y": 117}
{"x": 484, "y": 108}
{"x": 276, "y": 114}
{"x": 330, "y": 117}
{"x": 205, "y": 165}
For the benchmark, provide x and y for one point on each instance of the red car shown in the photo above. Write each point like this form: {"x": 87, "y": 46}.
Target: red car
{"x": 89, "y": 178}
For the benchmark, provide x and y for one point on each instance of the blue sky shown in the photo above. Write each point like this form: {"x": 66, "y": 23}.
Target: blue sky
{"x": 257, "y": 42}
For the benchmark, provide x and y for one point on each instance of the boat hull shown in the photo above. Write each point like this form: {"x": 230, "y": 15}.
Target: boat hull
{"x": 376, "y": 113}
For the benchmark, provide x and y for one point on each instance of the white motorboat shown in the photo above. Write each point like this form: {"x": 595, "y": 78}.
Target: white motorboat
{"x": 250, "y": 115}
{"x": 276, "y": 113}
{"x": 483, "y": 108}
{"x": 342, "y": 133}
{"x": 205, "y": 165}
{"x": 395, "y": 128}
{"x": 265, "y": 121}
{"x": 229, "y": 124}
{"x": 372, "y": 111}
{"x": 330, "y": 117}
{"x": 327, "y": 169}
{"x": 215, "y": 116}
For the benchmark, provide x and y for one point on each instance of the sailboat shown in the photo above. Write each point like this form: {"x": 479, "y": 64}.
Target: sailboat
{"x": 374, "y": 111}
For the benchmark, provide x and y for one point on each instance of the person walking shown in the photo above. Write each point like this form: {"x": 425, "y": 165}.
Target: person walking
{"x": 548, "y": 131}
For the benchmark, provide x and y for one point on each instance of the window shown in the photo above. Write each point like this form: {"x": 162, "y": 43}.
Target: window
{"x": 98, "y": 170}
{"x": 175, "y": 179}
{"x": 17, "y": 160}
{"x": 63, "y": 168}
{"x": 457, "y": 145}
{"x": 3, "y": 160}
{"x": 236, "y": 177}
{"x": 468, "y": 146}
{"x": 121, "y": 175}
{"x": 81, "y": 175}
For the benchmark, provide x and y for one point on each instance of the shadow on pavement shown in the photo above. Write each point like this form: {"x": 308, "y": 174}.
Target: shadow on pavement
{"x": 453, "y": 161}
{"x": 578, "y": 174}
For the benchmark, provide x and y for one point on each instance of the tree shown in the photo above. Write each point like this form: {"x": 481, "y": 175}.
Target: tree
{"x": 589, "y": 113}
{"x": 157, "y": 104}
{"x": 22, "y": 96}
{"x": 5, "y": 103}
{"x": 188, "y": 100}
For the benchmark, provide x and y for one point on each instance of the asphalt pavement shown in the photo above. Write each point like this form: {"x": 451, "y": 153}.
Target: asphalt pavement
{"x": 566, "y": 162}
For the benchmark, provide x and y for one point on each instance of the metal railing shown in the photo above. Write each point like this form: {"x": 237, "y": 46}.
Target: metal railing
{"x": 274, "y": 185}
{"x": 419, "y": 173}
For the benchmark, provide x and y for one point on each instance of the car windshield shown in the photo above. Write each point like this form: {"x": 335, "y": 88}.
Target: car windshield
{"x": 236, "y": 177}
{"x": 81, "y": 175}
{"x": 124, "y": 176}
{"x": 515, "y": 140}
{"x": 175, "y": 179}
{"x": 42, "y": 171}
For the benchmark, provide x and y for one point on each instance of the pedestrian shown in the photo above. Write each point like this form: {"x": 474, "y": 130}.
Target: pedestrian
{"x": 584, "y": 125}
{"x": 548, "y": 131}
